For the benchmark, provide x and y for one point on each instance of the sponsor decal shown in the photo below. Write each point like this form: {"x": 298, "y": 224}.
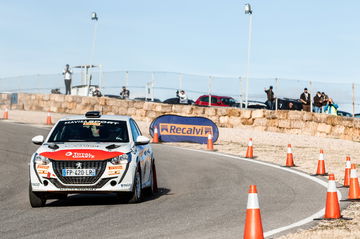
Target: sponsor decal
{"x": 175, "y": 128}
{"x": 115, "y": 167}
{"x": 92, "y": 123}
{"x": 81, "y": 154}
{"x": 125, "y": 185}
{"x": 35, "y": 184}
{"x": 114, "y": 172}
{"x": 42, "y": 166}
{"x": 185, "y": 130}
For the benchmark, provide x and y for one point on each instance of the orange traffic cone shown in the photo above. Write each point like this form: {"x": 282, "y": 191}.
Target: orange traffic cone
{"x": 321, "y": 165}
{"x": 354, "y": 189}
{"x": 347, "y": 172}
{"x": 6, "y": 114}
{"x": 210, "y": 145}
{"x": 48, "y": 119}
{"x": 156, "y": 135}
{"x": 250, "y": 151}
{"x": 289, "y": 157}
{"x": 332, "y": 206}
{"x": 253, "y": 226}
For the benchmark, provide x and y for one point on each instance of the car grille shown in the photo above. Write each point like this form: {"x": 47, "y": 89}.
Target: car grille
{"x": 58, "y": 166}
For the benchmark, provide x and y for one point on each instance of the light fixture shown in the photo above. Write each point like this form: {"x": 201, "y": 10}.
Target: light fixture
{"x": 94, "y": 16}
{"x": 248, "y": 9}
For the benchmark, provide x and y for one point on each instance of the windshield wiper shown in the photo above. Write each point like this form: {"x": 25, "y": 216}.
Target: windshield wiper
{"x": 112, "y": 146}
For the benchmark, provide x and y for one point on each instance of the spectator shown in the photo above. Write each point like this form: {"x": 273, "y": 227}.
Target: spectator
{"x": 97, "y": 92}
{"x": 325, "y": 98}
{"x": 331, "y": 108}
{"x": 125, "y": 93}
{"x": 318, "y": 102}
{"x": 305, "y": 99}
{"x": 270, "y": 98}
{"x": 183, "y": 99}
{"x": 67, "y": 79}
{"x": 291, "y": 106}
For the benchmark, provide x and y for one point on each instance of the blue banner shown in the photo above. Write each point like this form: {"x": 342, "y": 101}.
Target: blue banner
{"x": 175, "y": 128}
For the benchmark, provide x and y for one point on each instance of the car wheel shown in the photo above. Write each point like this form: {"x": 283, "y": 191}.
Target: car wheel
{"x": 153, "y": 188}
{"x": 137, "y": 194}
{"x": 36, "y": 199}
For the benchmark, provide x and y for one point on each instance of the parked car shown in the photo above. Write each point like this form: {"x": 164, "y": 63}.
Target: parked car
{"x": 357, "y": 115}
{"x": 147, "y": 99}
{"x": 344, "y": 113}
{"x": 92, "y": 153}
{"x": 175, "y": 101}
{"x": 252, "y": 104}
{"x": 224, "y": 101}
{"x": 283, "y": 104}
{"x": 114, "y": 96}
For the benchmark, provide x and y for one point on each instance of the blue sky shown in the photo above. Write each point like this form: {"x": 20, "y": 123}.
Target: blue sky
{"x": 308, "y": 40}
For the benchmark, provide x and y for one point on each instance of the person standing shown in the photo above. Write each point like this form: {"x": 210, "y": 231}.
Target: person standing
{"x": 183, "y": 99}
{"x": 125, "y": 93}
{"x": 318, "y": 102}
{"x": 331, "y": 108}
{"x": 305, "y": 99}
{"x": 67, "y": 79}
{"x": 270, "y": 98}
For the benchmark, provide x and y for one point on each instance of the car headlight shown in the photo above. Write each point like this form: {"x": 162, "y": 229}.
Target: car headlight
{"x": 39, "y": 159}
{"x": 124, "y": 158}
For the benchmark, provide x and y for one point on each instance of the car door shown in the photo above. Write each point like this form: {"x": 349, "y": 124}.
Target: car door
{"x": 143, "y": 153}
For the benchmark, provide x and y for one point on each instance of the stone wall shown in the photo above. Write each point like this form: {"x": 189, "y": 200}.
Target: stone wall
{"x": 294, "y": 122}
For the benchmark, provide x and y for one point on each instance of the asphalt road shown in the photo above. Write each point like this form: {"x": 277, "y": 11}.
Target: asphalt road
{"x": 201, "y": 196}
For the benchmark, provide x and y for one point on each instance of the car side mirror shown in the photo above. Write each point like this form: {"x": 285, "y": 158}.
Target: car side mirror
{"x": 142, "y": 140}
{"x": 39, "y": 140}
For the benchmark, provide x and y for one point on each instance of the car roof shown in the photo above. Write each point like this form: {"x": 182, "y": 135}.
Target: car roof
{"x": 102, "y": 117}
{"x": 218, "y": 96}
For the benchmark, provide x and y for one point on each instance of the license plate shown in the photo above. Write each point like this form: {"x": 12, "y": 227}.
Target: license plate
{"x": 70, "y": 172}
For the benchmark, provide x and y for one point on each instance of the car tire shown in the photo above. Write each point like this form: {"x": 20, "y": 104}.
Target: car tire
{"x": 137, "y": 193}
{"x": 36, "y": 199}
{"x": 153, "y": 188}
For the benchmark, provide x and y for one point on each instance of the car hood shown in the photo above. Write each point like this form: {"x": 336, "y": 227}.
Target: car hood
{"x": 82, "y": 151}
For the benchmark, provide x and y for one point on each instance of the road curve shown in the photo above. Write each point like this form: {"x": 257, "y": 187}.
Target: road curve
{"x": 201, "y": 196}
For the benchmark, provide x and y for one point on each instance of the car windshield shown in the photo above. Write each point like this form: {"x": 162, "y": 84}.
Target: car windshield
{"x": 90, "y": 131}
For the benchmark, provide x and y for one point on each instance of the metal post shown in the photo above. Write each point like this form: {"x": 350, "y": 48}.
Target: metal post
{"x": 127, "y": 79}
{"x": 241, "y": 92}
{"x": 248, "y": 62}
{"x": 311, "y": 100}
{"x": 152, "y": 86}
{"x": 210, "y": 86}
{"x": 94, "y": 40}
{"x": 276, "y": 89}
{"x": 353, "y": 99}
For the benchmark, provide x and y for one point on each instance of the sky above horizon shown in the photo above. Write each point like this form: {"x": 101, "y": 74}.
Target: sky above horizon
{"x": 305, "y": 40}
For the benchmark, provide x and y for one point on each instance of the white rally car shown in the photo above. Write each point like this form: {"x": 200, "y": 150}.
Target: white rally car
{"x": 92, "y": 153}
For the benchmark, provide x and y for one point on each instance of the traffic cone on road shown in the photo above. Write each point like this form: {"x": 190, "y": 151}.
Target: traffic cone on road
{"x": 48, "y": 119}
{"x": 332, "y": 208}
{"x": 156, "y": 135}
{"x": 354, "y": 189}
{"x": 210, "y": 145}
{"x": 249, "y": 150}
{"x": 321, "y": 165}
{"x": 6, "y": 114}
{"x": 347, "y": 172}
{"x": 289, "y": 157}
{"x": 253, "y": 226}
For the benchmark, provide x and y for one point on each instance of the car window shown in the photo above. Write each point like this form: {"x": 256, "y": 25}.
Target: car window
{"x": 205, "y": 99}
{"x": 90, "y": 131}
{"x": 214, "y": 100}
{"x": 134, "y": 129}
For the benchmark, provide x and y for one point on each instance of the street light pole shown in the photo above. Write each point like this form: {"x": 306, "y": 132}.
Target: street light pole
{"x": 93, "y": 18}
{"x": 248, "y": 11}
